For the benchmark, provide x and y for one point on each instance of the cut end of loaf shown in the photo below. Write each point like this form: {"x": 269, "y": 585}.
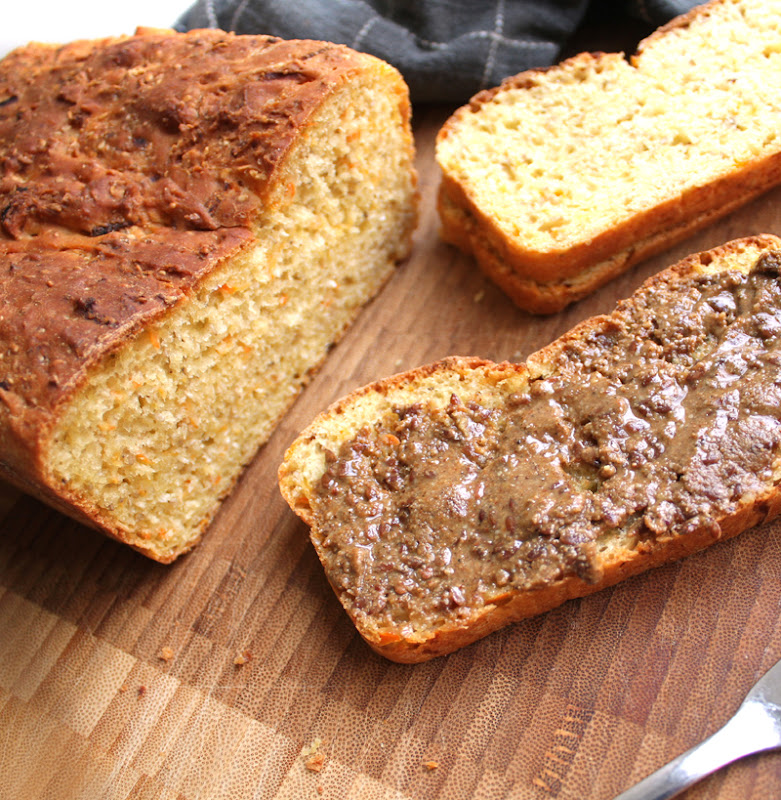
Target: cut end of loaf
{"x": 455, "y": 499}
{"x": 161, "y": 427}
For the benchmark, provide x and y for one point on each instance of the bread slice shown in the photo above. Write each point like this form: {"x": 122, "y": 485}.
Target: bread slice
{"x": 562, "y": 178}
{"x": 459, "y": 497}
{"x": 188, "y": 222}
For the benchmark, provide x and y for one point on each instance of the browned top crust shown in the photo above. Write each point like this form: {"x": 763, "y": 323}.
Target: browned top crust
{"x": 129, "y": 168}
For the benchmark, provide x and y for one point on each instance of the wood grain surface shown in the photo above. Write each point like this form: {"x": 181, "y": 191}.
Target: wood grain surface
{"x": 119, "y": 677}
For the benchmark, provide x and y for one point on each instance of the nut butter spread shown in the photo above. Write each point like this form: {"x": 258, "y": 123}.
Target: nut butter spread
{"x": 656, "y": 423}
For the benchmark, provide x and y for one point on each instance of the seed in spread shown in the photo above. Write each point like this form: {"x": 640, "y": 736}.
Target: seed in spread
{"x": 655, "y": 423}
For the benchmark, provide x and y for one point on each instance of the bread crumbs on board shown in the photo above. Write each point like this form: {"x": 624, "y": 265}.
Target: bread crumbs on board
{"x": 314, "y": 760}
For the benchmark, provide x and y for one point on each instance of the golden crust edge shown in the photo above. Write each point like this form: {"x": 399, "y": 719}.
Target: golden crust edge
{"x": 546, "y": 283}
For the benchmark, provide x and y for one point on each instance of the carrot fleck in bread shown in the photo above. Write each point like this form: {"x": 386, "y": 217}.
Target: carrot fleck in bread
{"x": 562, "y": 178}
{"x": 454, "y": 499}
{"x": 187, "y": 224}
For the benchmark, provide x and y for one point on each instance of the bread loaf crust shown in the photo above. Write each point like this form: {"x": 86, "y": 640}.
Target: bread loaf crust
{"x": 511, "y": 272}
{"x": 488, "y": 384}
{"x": 133, "y": 168}
{"x": 546, "y": 277}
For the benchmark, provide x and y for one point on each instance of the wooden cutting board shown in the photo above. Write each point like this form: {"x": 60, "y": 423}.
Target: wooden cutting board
{"x": 119, "y": 677}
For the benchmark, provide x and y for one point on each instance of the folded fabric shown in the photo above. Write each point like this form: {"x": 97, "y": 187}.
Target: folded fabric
{"x": 446, "y": 49}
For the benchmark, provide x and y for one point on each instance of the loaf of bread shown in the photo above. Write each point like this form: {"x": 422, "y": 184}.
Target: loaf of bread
{"x": 449, "y": 501}
{"x": 562, "y": 178}
{"x": 188, "y": 222}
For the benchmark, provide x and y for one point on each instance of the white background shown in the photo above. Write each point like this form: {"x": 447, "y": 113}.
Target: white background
{"x": 63, "y": 20}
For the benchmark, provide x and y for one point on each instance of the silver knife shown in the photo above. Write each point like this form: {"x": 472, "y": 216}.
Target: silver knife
{"x": 756, "y": 726}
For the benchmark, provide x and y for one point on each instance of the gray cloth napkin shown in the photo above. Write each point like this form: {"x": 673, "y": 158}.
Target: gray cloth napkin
{"x": 446, "y": 49}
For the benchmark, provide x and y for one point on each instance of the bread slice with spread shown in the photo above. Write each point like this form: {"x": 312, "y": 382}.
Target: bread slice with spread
{"x": 454, "y": 499}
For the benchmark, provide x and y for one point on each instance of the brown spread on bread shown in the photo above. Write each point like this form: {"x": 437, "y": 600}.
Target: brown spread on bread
{"x": 658, "y": 422}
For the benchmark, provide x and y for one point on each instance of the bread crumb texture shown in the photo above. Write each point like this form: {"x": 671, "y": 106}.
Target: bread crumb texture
{"x": 314, "y": 759}
{"x": 591, "y": 156}
{"x": 166, "y": 653}
{"x": 242, "y": 658}
{"x": 202, "y": 217}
